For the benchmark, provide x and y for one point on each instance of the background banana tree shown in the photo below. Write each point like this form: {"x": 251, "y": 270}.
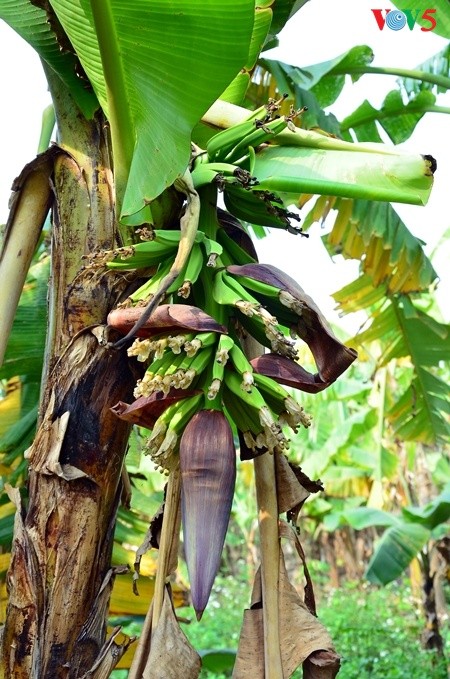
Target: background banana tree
{"x": 135, "y": 223}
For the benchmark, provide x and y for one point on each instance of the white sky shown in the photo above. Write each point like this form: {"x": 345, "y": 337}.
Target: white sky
{"x": 321, "y": 30}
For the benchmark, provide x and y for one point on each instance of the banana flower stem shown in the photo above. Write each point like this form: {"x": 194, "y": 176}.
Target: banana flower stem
{"x": 266, "y": 497}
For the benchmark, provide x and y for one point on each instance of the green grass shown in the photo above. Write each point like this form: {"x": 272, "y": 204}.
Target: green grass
{"x": 375, "y": 630}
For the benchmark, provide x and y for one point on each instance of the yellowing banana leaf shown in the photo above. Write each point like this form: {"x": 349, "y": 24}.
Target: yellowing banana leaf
{"x": 124, "y": 602}
{"x": 156, "y": 67}
{"x": 392, "y": 254}
{"x": 10, "y": 406}
{"x": 318, "y": 164}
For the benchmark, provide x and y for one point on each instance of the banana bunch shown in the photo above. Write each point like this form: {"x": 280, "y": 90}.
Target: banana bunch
{"x": 229, "y": 162}
{"x": 199, "y": 392}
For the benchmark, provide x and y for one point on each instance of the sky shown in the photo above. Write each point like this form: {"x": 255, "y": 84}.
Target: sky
{"x": 321, "y": 30}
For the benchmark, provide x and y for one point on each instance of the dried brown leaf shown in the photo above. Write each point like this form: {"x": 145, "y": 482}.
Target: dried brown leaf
{"x": 290, "y": 492}
{"x": 302, "y": 635}
{"x": 171, "y": 655}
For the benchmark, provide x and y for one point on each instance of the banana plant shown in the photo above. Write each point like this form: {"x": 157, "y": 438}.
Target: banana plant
{"x": 160, "y": 316}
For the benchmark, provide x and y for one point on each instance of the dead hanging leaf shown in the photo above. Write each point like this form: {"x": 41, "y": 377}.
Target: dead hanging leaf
{"x": 288, "y": 532}
{"x": 309, "y": 486}
{"x": 290, "y": 492}
{"x": 321, "y": 665}
{"x": 171, "y": 655}
{"x": 302, "y": 636}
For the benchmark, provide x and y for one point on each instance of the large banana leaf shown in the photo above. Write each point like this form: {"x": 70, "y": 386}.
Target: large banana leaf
{"x": 325, "y": 80}
{"x": 406, "y": 332}
{"x": 156, "y": 67}
{"x": 395, "y": 551}
{"x": 43, "y": 32}
{"x": 406, "y": 537}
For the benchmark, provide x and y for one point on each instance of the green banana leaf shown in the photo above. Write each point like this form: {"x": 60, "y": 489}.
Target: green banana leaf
{"x": 442, "y": 15}
{"x": 437, "y": 66}
{"x": 44, "y": 34}
{"x": 395, "y": 551}
{"x": 156, "y": 67}
{"x": 396, "y": 118}
{"x": 282, "y": 10}
{"x": 327, "y": 166}
{"x": 23, "y": 364}
{"x": 433, "y": 514}
{"x": 325, "y": 80}
{"x": 24, "y": 353}
{"x": 420, "y": 413}
{"x": 393, "y": 257}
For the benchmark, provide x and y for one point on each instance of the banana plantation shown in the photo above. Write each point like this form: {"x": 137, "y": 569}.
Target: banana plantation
{"x": 175, "y": 412}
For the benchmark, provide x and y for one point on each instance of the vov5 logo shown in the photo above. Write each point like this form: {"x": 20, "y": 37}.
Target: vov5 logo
{"x": 396, "y": 19}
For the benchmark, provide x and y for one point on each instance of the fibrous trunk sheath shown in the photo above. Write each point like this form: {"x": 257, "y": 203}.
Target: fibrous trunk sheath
{"x": 63, "y": 537}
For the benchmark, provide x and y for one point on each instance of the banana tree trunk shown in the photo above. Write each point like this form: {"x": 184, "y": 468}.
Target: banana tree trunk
{"x": 60, "y": 576}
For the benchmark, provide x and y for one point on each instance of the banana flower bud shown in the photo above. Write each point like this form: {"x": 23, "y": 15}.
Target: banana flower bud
{"x": 208, "y": 474}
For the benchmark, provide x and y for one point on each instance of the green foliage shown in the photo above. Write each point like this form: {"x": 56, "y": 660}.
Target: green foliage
{"x": 441, "y": 15}
{"x": 376, "y": 630}
{"x": 146, "y": 84}
{"x": 396, "y": 118}
{"x": 32, "y": 23}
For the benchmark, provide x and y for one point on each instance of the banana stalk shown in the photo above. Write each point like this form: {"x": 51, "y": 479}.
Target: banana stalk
{"x": 188, "y": 227}
{"x": 266, "y": 496}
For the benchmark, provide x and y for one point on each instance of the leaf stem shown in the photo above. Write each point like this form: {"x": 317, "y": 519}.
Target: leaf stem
{"x": 423, "y": 76}
{"x": 118, "y": 114}
{"x": 348, "y": 123}
{"x": 270, "y": 561}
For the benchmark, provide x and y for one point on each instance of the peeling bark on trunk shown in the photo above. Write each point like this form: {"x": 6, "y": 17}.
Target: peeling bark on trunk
{"x": 56, "y": 617}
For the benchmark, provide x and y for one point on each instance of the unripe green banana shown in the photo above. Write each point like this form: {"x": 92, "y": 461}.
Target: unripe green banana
{"x": 255, "y": 207}
{"x": 224, "y": 346}
{"x": 253, "y": 398}
{"x": 225, "y": 141}
{"x": 243, "y": 367}
{"x": 192, "y": 272}
{"x": 200, "y": 341}
{"x": 262, "y": 132}
{"x": 227, "y": 291}
{"x": 232, "y": 250}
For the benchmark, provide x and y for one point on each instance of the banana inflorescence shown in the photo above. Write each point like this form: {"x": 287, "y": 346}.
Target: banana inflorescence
{"x": 199, "y": 383}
